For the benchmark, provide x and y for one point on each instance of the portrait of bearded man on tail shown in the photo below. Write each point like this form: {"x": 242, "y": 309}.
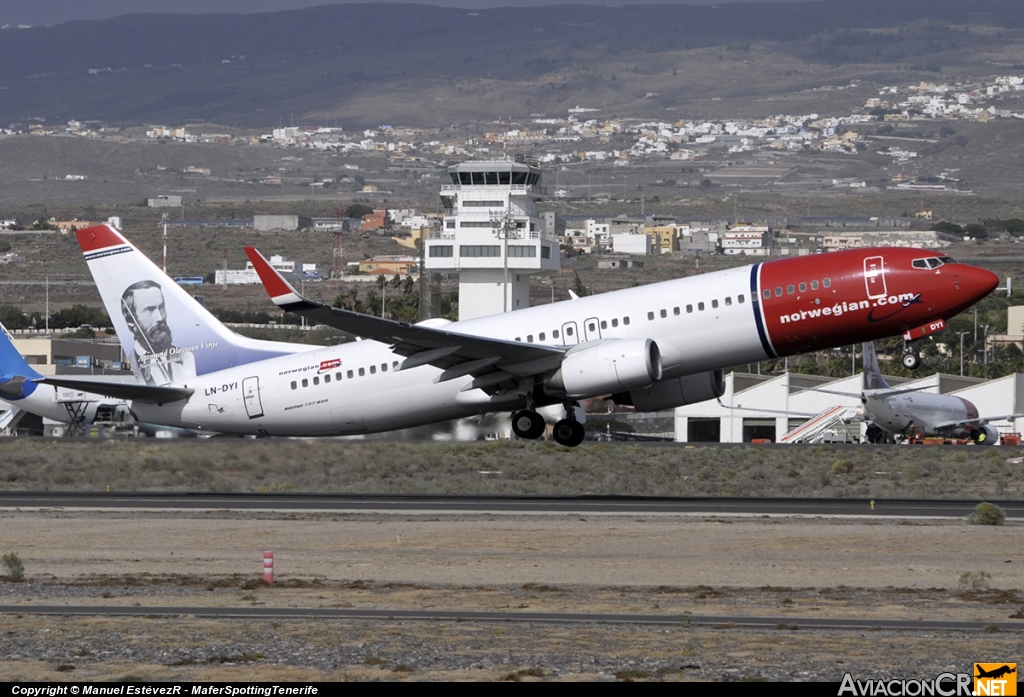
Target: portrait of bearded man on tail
{"x": 154, "y": 358}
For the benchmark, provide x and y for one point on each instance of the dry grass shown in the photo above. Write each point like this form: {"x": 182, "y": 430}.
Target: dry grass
{"x": 522, "y": 468}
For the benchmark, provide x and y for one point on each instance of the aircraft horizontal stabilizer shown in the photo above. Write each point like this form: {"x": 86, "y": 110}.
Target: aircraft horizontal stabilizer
{"x": 422, "y": 345}
{"x": 149, "y": 394}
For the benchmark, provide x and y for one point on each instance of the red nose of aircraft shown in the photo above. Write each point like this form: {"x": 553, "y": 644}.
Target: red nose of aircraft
{"x": 978, "y": 282}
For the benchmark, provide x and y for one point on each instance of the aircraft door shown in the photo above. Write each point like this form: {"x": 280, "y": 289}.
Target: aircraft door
{"x": 570, "y": 336}
{"x": 251, "y": 395}
{"x": 874, "y": 277}
{"x": 591, "y": 329}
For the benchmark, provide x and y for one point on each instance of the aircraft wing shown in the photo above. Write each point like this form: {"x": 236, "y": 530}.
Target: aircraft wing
{"x": 976, "y": 422}
{"x": 786, "y": 412}
{"x": 149, "y": 394}
{"x": 459, "y": 354}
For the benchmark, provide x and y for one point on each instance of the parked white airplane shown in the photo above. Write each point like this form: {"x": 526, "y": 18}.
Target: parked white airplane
{"x": 910, "y": 413}
{"x": 655, "y": 346}
{"x": 19, "y": 389}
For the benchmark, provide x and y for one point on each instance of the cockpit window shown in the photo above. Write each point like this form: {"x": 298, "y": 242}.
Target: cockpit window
{"x": 932, "y": 262}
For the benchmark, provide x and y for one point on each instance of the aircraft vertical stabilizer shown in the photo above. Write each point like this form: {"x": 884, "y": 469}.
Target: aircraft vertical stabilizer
{"x": 873, "y": 379}
{"x": 15, "y": 373}
{"x": 167, "y": 336}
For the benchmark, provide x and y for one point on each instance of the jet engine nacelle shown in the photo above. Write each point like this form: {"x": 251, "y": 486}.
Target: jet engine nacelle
{"x": 985, "y": 435}
{"x": 668, "y": 394}
{"x": 609, "y": 366}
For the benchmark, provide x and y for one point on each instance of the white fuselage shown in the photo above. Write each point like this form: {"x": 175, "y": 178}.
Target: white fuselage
{"x": 291, "y": 395}
{"x": 918, "y": 413}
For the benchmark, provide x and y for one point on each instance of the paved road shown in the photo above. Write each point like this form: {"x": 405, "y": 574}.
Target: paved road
{"x": 484, "y": 616}
{"x": 908, "y": 508}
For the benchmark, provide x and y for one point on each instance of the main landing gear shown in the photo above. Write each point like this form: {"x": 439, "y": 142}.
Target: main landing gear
{"x": 528, "y": 424}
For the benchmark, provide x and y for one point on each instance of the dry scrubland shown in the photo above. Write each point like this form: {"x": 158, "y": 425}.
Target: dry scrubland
{"x": 667, "y": 565}
{"x": 508, "y": 468}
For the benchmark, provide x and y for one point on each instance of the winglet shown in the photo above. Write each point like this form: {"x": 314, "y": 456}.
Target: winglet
{"x": 98, "y": 237}
{"x": 280, "y": 291}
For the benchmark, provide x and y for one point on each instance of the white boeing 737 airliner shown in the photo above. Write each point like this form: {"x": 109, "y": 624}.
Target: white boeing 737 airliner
{"x": 655, "y": 347}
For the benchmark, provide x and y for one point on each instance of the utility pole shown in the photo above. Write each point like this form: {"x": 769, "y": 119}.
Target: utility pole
{"x": 961, "y": 353}
{"x": 165, "y": 242}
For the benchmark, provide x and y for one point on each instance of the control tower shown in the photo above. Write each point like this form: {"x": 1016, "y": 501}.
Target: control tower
{"x": 493, "y": 236}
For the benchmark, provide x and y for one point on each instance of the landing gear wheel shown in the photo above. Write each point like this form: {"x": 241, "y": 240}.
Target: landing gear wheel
{"x": 528, "y": 424}
{"x": 569, "y": 433}
{"x": 911, "y": 360}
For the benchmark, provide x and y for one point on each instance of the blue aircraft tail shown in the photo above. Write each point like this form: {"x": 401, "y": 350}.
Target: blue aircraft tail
{"x": 15, "y": 372}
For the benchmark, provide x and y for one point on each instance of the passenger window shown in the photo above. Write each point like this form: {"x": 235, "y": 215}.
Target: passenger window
{"x": 305, "y": 382}
{"x": 554, "y": 334}
{"x": 689, "y": 309}
{"x": 814, "y": 285}
{"x": 529, "y": 338}
{"x": 394, "y": 364}
{"x": 591, "y": 327}
{"x": 362, "y": 372}
{"x": 540, "y": 337}
{"x": 316, "y": 381}
{"x": 373, "y": 370}
{"x": 604, "y": 324}
{"x": 615, "y": 322}
{"x": 625, "y": 320}
{"x": 518, "y": 338}
{"x": 790, "y": 289}
{"x": 767, "y": 293}
{"x": 337, "y": 376}
{"x": 294, "y": 385}
{"x": 728, "y": 301}
{"x": 327, "y": 378}
{"x": 568, "y": 331}
{"x": 675, "y": 310}
{"x": 383, "y": 367}
{"x": 778, "y": 292}
{"x": 350, "y": 375}
{"x": 803, "y": 287}
{"x": 700, "y": 306}
{"x": 650, "y": 315}
{"x": 827, "y": 283}
{"x": 714, "y": 303}
{"x": 664, "y": 314}
{"x": 740, "y": 299}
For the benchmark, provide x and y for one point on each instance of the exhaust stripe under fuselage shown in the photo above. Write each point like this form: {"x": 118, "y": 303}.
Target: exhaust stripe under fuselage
{"x": 755, "y": 296}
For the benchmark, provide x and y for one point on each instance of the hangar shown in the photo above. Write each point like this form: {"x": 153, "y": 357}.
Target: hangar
{"x": 771, "y": 406}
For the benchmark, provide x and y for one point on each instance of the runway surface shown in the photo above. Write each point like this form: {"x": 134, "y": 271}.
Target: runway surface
{"x": 861, "y": 508}
{"x": 429, "y": 615}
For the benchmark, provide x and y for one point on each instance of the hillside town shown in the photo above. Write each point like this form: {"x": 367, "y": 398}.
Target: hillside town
{"x": 586, "y": 135}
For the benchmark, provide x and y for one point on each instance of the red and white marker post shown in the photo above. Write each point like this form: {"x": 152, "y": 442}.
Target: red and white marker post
{"x": 268, "y": 567}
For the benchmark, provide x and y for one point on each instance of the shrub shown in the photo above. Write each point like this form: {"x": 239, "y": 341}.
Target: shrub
{"x": 987, "y": 514}
{"x": 15, "y": 567}
{"x": 975, "y": 581}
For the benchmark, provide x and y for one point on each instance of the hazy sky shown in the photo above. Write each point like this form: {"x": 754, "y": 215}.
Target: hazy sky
{"x": 48, "y": 12}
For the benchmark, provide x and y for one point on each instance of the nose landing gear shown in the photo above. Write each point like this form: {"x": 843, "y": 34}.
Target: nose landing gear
{"x": 911, "y": 358}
